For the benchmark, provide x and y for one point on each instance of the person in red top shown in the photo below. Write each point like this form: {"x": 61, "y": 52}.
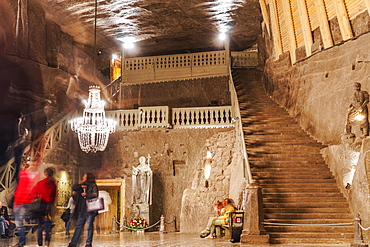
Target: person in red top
{"x": 45, "y": 189}
{"x": 22, "y": 199}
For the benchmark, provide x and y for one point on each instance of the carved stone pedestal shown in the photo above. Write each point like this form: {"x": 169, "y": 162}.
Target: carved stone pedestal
{"x": 141, "y": 210}
{"x": 254, "y": 232}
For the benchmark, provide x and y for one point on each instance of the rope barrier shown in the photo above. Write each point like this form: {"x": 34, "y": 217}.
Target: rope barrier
{"x": 169, "y": 222}
{"x": 287, "y": 224}
{"x": 130, "y": 228}
{"x": 363, "y": 228}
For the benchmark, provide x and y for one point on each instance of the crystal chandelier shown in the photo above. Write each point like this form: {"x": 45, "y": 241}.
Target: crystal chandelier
{"x": 93, "y": 128}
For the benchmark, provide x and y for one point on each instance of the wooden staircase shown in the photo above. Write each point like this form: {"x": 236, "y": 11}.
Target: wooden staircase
{"x": 302, "y": 202}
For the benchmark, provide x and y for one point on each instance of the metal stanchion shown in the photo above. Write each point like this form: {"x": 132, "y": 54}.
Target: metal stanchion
{"x": 161, "y": 226}
{"x": 174, "y": 223}
{"x": 358, "y": 239}
{"x": 114, "y": 225}
{"x": 124, "y": 224}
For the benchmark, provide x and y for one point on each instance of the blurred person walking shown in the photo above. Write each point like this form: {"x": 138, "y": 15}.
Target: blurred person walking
{"x": 86, "y": 189}
{"x": 46, "y": 190}
{"x": 22, "y": 199}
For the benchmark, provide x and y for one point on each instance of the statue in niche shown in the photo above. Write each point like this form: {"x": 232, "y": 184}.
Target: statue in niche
{"x": 357, "y": 112}
{"x": 142, "y": 182}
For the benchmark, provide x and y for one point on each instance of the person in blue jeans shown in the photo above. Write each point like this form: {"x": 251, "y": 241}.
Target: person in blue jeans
{"x": 70, "y": 209}
{"x": 23, "y": 198}
{"x": 86, "y": 189}
{"x": 4, "y": 220}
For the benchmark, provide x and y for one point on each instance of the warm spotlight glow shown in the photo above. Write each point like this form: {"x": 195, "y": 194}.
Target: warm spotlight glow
{"x": 360, "y": 117}
{"x": 63, "y": 176}
{"x": 207, "y": 169}
{"x": 222, "y": 36}
{"x": 348, "y": 176}
{"x": 208, "y": 165}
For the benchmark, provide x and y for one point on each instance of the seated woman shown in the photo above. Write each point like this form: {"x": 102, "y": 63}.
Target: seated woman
{"x": 4, "y": 220}
{"x": 218, "y": 207}
{"x": 227, "y": 207}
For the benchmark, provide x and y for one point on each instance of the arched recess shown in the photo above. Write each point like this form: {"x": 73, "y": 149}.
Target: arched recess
{"x": 116, "y": 190}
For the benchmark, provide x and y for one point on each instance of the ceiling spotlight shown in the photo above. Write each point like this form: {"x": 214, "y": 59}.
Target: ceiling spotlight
{"x": 222, "y": 36}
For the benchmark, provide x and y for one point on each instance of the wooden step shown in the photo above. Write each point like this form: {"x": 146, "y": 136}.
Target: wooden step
{"x": 277, "y": 199}
{"x": 317, "y": 228}
{"x": 347, "y": 222}
{"x": 307, "y": 212}
{"x": 303, "y": 195}
{"x": 299, "y": 181}
{"x": 345, "y": 216}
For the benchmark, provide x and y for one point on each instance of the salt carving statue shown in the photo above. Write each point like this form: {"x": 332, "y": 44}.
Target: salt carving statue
{"x": 142, "y": 182}
{"x": 357, "y": 111}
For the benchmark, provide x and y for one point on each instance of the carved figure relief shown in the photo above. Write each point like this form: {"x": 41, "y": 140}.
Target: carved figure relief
{"x": 142, "y": 182}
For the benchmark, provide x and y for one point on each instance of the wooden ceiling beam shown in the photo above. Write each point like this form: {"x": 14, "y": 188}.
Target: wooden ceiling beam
{"x": 275, "y": 29}
{"x": 305, "y": 25}
{"x": 323, "y": 23}
{"x": 290, "y": 29}
{"x": 343, "y": 20}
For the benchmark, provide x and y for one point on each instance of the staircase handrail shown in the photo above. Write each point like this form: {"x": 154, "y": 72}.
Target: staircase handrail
{"x": 42, "y": 145}
{"x": 240, "y": 140}
{"x": 114, "y": 87}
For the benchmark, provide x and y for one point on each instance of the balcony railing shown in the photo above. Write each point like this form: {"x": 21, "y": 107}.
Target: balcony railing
{"x": 163, "y": 117}
{"x": 202, "y": 117}
{"x": 174, "y": 67}
{"x": 244, "y": 59}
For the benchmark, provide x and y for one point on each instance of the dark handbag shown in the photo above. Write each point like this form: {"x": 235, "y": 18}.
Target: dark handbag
{"x": 66, "y": 215}
{"x": 94, "y": 204}
{"x": 38, "y": 206}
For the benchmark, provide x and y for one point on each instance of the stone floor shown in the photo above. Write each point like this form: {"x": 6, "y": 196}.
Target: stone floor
{"x": 147, "y": 239}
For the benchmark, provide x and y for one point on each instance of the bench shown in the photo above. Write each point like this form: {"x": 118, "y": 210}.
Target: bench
{"x": 236, "y": 221}
{"x": 27, "y": 228}
{"x": 223, "y": 231}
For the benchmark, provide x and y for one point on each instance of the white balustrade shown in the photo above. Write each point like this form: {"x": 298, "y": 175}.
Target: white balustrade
{"x": 126, "y": 119}
{"x": 153, "y": 117}
{"x": 202, "y": 117}
{"x": 159, "y": 117}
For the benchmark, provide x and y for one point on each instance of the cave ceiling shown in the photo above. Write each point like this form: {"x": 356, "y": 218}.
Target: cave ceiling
{"x": 157, "y": 27}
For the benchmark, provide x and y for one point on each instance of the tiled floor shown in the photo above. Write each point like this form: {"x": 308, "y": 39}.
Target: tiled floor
{"x": 147, "y": 239}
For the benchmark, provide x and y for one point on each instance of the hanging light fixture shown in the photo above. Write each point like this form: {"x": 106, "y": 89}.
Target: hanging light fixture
{"x": 93, "y": 128}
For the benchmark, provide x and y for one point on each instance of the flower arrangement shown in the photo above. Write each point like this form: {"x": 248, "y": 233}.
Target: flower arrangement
{"x": 137, "y": 223}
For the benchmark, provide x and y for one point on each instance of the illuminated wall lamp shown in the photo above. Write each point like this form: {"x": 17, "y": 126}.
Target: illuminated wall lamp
{"x": 207, "y": 167}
